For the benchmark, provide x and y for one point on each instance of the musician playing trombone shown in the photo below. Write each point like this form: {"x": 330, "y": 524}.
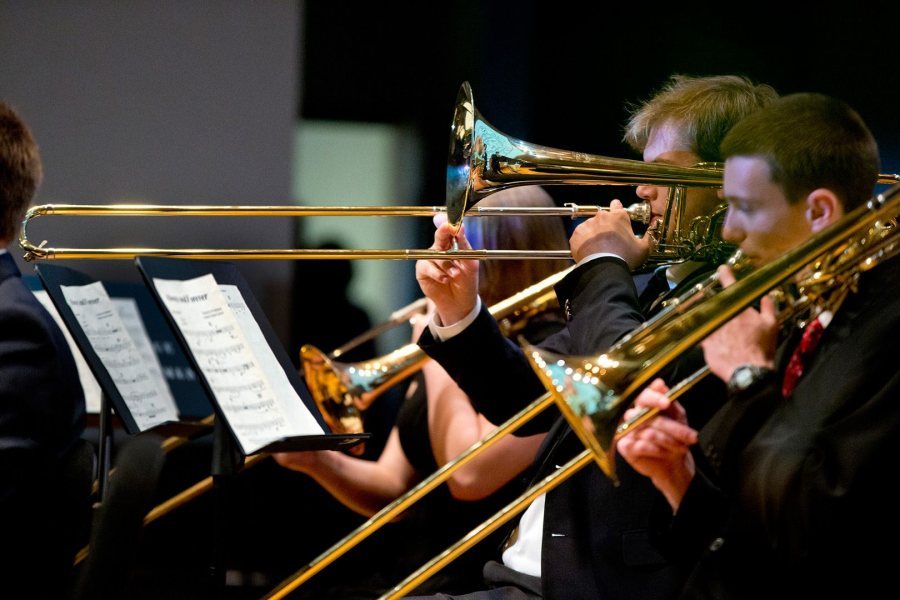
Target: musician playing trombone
{"x": 585, "y": 539}
{"x": 790, "y": 497}
{"x": 436, "y": 422}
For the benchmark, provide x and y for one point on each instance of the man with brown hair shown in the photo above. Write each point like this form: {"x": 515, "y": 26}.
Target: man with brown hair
{"x": 587, "y": 539}
{"x": 789, "y": 497}
{"x": 42, "y": 411}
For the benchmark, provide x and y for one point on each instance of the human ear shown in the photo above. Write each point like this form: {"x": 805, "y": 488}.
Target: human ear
{"x": 822, "y": 209}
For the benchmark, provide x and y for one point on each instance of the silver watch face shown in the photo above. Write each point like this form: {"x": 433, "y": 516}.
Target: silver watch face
{"x": 743, "y": 377}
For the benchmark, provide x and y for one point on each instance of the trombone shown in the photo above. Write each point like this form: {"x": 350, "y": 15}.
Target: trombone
{"x": 340, "y": 397}
{"x": 342, "y": 391}
{"x": 606, "y": 385}
{"x": 482, "y": 161}
{"x": 865, "y": 237}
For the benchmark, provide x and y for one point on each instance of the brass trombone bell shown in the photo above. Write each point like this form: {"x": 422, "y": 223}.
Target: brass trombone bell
{"x": 484, "y": 160}
{"x": 343, "y": 391}
{"x": 593, "y": 392}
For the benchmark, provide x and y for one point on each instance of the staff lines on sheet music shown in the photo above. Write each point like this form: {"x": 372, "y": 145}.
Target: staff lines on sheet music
{"x": 233, "y": 370}
{"x": 105, "y": 327}
{"x": 275, "y": 424}
{"x": 257, "y": 386}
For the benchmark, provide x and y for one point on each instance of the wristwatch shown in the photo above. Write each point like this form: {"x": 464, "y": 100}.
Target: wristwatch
{"x": 745, "y": 377}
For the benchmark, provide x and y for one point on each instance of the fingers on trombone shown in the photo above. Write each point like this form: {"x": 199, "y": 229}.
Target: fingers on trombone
{"x": 444, "y": 238}
{"x": 435, "y": 270}
{"x": 768, "y": 310}
{"x": 664, "y": 434}
{"x": 654, "y": 396}
{"x": 726, "y": 275}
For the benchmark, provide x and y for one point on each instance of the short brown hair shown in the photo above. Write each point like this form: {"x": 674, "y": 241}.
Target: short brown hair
{"x": 811, "y": 141}
{"x": 704, "y": 108}
{"x": 20, "y": 170}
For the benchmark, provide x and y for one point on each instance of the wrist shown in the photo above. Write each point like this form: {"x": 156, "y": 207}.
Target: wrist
{"x": 747, "y": 377}
{"x": 675, "y": 484}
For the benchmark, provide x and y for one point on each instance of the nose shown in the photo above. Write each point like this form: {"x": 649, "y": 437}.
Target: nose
{"x": 731, "y": 230}
{"x": 647, "y": 193}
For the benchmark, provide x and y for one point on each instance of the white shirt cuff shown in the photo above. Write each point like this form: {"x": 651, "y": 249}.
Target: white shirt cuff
{"x": 591, "y": 257}
{"x": 444, "y": 333}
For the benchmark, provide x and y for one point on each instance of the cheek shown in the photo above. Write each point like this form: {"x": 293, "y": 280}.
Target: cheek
{"x": 658, "y": 203}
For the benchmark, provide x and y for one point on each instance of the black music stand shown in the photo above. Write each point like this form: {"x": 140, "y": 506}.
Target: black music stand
{"x": 191, "y": 396}
{"x": 228, "y": 453}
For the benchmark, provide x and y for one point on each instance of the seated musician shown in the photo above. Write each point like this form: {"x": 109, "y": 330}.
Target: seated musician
{"x": 437, "y": 422}
{"x": 585, "y": 539}
{"x": 789, "y": 498}
{"x": 42, "y": 413}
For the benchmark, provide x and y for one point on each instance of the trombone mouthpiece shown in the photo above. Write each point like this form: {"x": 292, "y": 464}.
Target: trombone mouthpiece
{"x": 639, "y": 212}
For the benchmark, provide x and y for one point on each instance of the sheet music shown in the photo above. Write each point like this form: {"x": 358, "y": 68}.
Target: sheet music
{"x": 249, "y": 384}
{"x": 134, "y": 325}
{"x": 107, "y": 335}
{"x": 89, "y": 383}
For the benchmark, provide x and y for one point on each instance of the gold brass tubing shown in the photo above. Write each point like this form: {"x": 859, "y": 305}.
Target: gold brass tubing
{"x": 441, "y": 475}
{"x": 174, "y": 441}
{"x": 192, "y": 492}
{"x": 37, "y": 252}
{"x": 488, "y": 527}
{"x": 160, "y": 510}
{"x": 648, "y": 413}
{"x": 167, "y": 445}
{"x": 181, "y": 210}
{"x": 638, "y": 212}
{"x": 402, "y": 503}
{"x": 519, "y": 504}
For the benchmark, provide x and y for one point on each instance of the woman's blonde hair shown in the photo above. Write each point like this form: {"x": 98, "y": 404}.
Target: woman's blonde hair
{"x": 502, "y": 278}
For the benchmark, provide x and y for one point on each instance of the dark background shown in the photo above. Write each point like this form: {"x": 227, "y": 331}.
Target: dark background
{"x": 560, "y": 74}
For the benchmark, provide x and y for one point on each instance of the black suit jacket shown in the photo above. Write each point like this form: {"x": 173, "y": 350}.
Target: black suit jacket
{"x": 596, "y": 540}
{"x": 797, "y": 499}
{"x": 42, "y": 417}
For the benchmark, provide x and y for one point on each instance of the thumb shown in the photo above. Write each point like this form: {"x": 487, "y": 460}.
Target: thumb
{"x": 616, "y": 203}
{"x": 462, "y": 240}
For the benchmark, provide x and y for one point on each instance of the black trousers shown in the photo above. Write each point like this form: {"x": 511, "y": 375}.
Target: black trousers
{"x": 503, "y": 584}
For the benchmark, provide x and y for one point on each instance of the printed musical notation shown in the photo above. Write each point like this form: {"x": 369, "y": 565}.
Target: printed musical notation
{"x": 146, "y": 395}
{"x": 134, "y": 324}
{"x": 246, "y": 378}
